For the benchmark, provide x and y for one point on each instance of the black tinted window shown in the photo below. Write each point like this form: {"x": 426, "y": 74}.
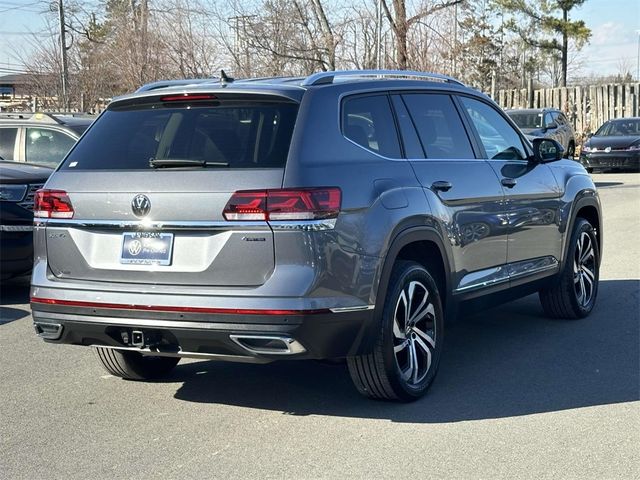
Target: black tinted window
{"x": 439, "y": 126}
{"x": 47, "y": 147}
{"x": 500, "y": 140}
{"x": 368, "y": 121}
{"x": 7, "y": 142}
{"x": 249, "y": 135}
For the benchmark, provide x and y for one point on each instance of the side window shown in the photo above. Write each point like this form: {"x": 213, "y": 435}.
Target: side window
{"x": 412, "y": 145}
{"x": 439, "y": 126}
{"x": 47, "y": 147}
{"x": 368, "y": 121}
{"x": 7, "y": 143}
{"x": 500, "y": 140}
{"x": 548, "y": 119}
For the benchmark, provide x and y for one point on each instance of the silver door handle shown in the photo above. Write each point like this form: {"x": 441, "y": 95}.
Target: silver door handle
{"x": 509, "y": 182}
{"x": 441, "y": 186}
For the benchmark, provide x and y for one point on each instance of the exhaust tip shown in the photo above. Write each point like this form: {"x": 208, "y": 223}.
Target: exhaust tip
{"x": 49, "y": 331}
{"x": 269, "y": 344}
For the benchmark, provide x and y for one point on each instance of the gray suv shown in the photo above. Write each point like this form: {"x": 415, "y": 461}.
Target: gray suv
{"x": 546, "y": 123}
{"x": 339, "y": 216}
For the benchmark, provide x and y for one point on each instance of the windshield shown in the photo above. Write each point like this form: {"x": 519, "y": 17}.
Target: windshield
{"x": 527, "y": 120}
{"x": 216, "y": 135}
{"x": 620, "y": 128}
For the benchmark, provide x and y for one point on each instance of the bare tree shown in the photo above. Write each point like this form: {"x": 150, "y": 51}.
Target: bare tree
{"x": 401, "y": 21}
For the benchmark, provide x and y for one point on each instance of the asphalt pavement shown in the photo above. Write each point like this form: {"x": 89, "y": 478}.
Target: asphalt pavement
{"x": 517, "y": 396}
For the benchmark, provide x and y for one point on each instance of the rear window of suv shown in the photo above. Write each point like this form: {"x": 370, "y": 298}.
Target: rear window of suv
{"x": 225, "y": 135}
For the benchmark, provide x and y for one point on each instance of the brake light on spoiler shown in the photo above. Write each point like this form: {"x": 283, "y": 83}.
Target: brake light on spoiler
{"x": 284, "y": 204}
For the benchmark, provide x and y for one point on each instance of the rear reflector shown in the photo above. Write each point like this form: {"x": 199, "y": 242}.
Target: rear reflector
{"x": 52, "y": 204}
{"x": 165, "y": 308}
{"x": 284, "y": 204}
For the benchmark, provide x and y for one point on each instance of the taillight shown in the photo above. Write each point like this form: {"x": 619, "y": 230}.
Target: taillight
{"x": 284, "y": 204}
{"x": 52, "y": 204}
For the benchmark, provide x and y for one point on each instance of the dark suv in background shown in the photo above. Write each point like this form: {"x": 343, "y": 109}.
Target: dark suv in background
{"x": 342, "y": 215}
{"x": 31, "y": 146}
{"x": 546, "y": 123}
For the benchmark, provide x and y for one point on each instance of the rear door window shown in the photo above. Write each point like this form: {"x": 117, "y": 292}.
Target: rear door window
{"x": 47, "y": 147}
{"x": 439, "y": 126}
{"x": 7, "y": 142}
{"x": 368, "y": 122}
{"x": 222, "y": 135}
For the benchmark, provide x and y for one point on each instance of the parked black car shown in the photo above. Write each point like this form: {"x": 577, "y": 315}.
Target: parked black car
{"x": 18, "y": 184}
{"x": 615, "y": 145}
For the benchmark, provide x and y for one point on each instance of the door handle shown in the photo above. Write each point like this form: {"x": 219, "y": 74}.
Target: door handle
{"x": 441, "y": 186}
{"x": 509, "y": 182}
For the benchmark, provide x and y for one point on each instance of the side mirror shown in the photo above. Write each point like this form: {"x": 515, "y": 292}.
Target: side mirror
{"x": 590, "y": 134}
{"x": 546, "y": 150}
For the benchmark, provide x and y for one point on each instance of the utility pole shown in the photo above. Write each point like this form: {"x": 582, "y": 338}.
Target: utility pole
{"x": 455, "y": 40}
{"x": 63, "y": 57}
{"x": 638, "y": 64}
{"x": 379, "y": 36}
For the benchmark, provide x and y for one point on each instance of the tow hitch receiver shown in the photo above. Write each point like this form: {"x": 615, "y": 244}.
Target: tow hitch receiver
{"x": 137, "y": 338}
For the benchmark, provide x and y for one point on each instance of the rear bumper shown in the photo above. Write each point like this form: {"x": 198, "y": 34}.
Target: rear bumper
{"x": 257, "y": 338}
{"x": 630, "y": 160}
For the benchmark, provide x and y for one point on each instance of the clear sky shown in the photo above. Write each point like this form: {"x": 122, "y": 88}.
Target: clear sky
{"x": 615, "y": 26}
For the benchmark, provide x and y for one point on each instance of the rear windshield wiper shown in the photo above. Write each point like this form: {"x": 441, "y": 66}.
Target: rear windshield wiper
{"x": 183, "y": 162}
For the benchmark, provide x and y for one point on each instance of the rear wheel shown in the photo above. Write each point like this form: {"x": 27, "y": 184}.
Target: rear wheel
{"x": 133, "y": 365}
{"x": 407, "y": 352}
{"x": 574, "y": 294}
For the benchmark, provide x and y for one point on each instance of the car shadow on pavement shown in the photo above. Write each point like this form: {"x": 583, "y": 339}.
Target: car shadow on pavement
{"x": 503, "y": 362}
{"x": 13, "y": 292}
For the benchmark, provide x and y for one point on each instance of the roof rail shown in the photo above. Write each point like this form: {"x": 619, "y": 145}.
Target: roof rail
{"x": 174, "y": 83}
{"x": 43, "y": 117}
{"x": 324, "y": 78}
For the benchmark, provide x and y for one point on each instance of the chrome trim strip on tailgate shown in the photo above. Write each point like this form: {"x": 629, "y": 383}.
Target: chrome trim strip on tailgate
{"x": 304, "y": 225}
{"x": 149, "y": 225}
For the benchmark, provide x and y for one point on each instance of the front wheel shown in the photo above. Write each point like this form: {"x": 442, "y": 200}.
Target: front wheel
{"x": 133, "y": 365}
{"x": 574, "y": 295}
{"x": 409, "y": 343}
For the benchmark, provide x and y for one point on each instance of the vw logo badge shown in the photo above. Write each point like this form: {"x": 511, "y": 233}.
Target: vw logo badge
{"x": 135, "y": 247}
{"x": 140, "y": 205}
{"x": 607, "y": 150}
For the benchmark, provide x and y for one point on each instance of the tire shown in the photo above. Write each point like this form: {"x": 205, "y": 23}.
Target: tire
{"x": 388, "y": 372}
{"x": 574, "y": 294}
{"x": 133, "y": 365}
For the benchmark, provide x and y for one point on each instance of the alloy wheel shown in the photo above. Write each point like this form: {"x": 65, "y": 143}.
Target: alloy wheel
{"x": 414, "y": 332}
{"x": 584, "y": 269}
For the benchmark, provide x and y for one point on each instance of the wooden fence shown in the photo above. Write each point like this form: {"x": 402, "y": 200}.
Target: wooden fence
{"x": 586, "y": 107}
